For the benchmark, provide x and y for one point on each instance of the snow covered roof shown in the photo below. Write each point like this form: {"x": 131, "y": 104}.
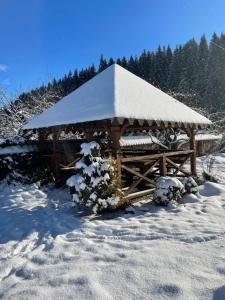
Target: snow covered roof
{"x": 116, "y": 92}
{"x": 130, "y": 140}
{"x": 202, "y": 137}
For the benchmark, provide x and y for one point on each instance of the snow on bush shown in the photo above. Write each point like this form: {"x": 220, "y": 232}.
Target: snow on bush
{"x": 94, "y": 185}
{"x": 23, "y": 168}
{"x": 168, "y": 189}
{"x": 190, "y": 185}
{"x": 171, "y": 189}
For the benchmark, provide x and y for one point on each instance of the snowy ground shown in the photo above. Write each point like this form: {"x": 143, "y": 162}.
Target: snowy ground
{"x": 48, "y": 251}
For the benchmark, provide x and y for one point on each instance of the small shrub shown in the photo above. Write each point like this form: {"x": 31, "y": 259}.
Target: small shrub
{"x": 168, "y": 189}
{"x": 94, "y": 185}
{"x": 190, "y": 185}
{"x": 208, "y": 169}
{"x": 24, "y": 168}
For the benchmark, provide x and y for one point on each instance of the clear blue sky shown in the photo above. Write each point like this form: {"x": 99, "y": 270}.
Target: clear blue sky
{"x": 42, "y": 39}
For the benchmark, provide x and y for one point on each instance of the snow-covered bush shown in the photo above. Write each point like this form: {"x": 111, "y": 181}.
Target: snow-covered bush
{"x": 21, "y": 162}
{"x": 94, "y": 184}
{"x": 190, "y": 185}
{"x": 24, "y": 168}
{"x": 168, "y": 189}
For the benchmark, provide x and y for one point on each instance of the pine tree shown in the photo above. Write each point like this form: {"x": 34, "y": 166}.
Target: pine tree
{"x": 111, "y": 61}
{"x": 94, "y": 183}
{"x": 175, "y": 70}
{"x": 102, "y": 64}
{"x": 202, "y": 69}
{"x": 189, "y": 67}
{"x": 216, "y": 84}
{"x": 133, "y": 65}
{"x": 159, "y": 67}
{"x": 169, "y": 57}
{"x": 124, "y": 62}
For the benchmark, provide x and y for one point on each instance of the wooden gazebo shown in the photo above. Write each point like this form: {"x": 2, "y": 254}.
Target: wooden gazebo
{"x": 114, "y": 102}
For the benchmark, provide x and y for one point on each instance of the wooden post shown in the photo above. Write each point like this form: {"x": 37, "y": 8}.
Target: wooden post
{"x": 115, "y": 134}
{"x": 162, "y": 166}
{"x": 56, "y": 155}
{"x": 88, "y": 135}
{"x": 193, "y": 147}
{"x": 42, "y": 137}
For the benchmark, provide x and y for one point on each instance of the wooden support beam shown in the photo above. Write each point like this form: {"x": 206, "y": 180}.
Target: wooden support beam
{"x": 116, "y": 150}
{"x": 162, "y": 166}
{"x": 42, "y": 137}
{"x": 124, "y": 127}
{"x": 193, "y": 148}
{"x": 191, "y": 132}
{"x": 56, "y": 154}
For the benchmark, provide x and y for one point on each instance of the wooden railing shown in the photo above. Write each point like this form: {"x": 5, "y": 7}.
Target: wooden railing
{"x": 162, "y": 164}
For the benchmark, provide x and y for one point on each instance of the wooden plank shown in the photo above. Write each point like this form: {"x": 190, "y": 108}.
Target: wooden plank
{"x": 137, "y": 174}
{"x": 140, "y": 179}
{"x": 139, "y": 194}
{"x": 155, "y": 156}
{"x": 71, "y": 163}
{"x": 67, "y": 168}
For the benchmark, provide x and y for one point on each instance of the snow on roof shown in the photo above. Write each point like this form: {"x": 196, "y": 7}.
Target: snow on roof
{"x": 116, "y": 92}
{"x": 132, "y": 140}
{"x": 202, "y": 137}
{"x": 126, "y": 141}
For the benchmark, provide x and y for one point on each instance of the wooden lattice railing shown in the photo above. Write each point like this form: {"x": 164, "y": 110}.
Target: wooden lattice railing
{"x": 151, "y": 166}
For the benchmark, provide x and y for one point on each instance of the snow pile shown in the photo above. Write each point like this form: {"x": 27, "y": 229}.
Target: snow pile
{"x": 94, "y": 183}
{"x": 168, "y": 189}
